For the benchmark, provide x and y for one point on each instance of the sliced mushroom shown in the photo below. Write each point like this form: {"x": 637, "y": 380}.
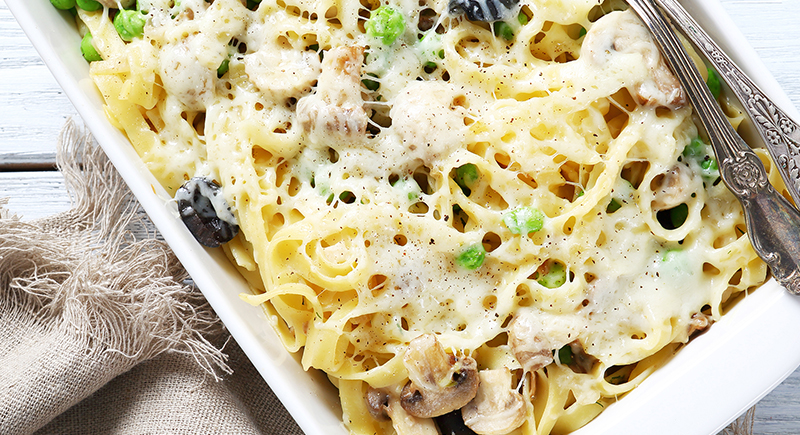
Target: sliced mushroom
{"x": 497, "y": 407}
{"x": 622, "y": 33}
{"x": 438, "y": 382}
{"x": 205, "y": 212}
{"x": 378, "y": 404}
{"x": 384, "y": 406}
{"x": 699, "y": 323}
{"x": 406, "y": 424}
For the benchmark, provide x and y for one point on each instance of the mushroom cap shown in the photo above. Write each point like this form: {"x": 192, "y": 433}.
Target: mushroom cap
{"x": 205, "y": 212}
{"x": 378, "y": 404}
{"x": 438, "y": 382}
{"x": 497, "y": 408}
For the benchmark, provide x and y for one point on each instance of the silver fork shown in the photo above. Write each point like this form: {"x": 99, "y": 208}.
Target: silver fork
{"x": 773, "y": 224}
{"x": 780, "y": 133}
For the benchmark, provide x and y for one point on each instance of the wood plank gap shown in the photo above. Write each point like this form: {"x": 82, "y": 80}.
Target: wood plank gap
{"x": 27, "y": 167}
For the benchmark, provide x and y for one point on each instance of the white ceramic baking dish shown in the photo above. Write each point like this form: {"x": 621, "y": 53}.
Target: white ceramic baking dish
{"x": 711, "y": 381}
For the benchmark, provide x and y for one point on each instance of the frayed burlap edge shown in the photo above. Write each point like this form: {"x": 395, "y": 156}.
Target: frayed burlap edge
{"x": 79, "y": 289}
{"x": 743, "y": 425}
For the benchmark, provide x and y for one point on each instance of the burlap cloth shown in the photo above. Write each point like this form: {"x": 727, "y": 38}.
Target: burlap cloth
{"x": 100, "y": 332}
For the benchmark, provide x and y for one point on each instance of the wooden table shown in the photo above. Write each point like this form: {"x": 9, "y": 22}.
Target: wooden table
{"x": 33, "y": 109}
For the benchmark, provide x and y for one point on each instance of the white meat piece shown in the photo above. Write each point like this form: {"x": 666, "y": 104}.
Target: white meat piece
{"x": 282, "y": 73}
{"x": 622, "y": 33}
{"x": 674, "y": 187}
{"x": 534, "y": 336}
{"x": 428, "y": 117}
{"x": 184, "y": 76}
{"x": 336, "y": 106}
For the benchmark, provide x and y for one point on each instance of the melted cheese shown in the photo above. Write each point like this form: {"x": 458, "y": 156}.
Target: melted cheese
{"x": 344, "y": 159}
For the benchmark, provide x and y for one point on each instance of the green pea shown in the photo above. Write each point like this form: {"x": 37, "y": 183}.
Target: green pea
{"x": 63, "y": 4}
{"x": 695, "y": 149}
{"x": 503, "y": 30}
{"x": 466, "y": 177}
{"x": 555, "y": 277}
{"x": 524, "y": 220}
{"x": 613, "y": 206}
{"x": 410, "y": 187}
{"x": 129, "y": 24}
{"x": 565, "y": 355}
{"x": 88, "y": 5}
{"x": 87, "y": 49}
{"x": 672, "y": 255}
{"x": 386, "y": 24}
{"x": 223, "y": 67}
{"x": 472, "y": 257}
{"x": 709, "y": 170}
{"x": 678, "y": 215}
{"x": 714, "y": 83}
{"x": 698, "y": 151}
{"x": 371, "y": 85}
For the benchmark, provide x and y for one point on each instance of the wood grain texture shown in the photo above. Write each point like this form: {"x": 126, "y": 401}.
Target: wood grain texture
{"x": 32, "y": 104}
{"x": 33, "y": 195}
{"x": 33, "y": 109}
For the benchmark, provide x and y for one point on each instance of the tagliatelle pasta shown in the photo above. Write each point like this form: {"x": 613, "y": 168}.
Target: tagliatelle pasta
{"x": 492, "y": 213}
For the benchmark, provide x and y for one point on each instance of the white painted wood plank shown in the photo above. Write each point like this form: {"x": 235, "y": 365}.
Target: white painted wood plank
{"x": 771, "y": 27}
{"x": 33, "y": 195}
{"x": 33, "y": 107}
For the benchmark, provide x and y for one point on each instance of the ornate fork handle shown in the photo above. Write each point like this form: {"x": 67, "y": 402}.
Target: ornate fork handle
{"x": 773, "y": 224}
{"x": 779, "y": 132}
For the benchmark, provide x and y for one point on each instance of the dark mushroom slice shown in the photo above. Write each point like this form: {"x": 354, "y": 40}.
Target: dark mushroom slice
{"x": 205, "y": 212}
{"x": 438, "y": 382}
{"x": 484, "y": 10}
{"x": 497, "y": 408}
